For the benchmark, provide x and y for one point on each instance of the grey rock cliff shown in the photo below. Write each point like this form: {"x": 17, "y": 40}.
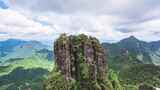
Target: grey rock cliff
{"x": 81, "y": 58}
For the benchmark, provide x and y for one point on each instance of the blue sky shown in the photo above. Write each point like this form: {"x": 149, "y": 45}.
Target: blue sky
{"x": 3, "y": 5}
{"x": 108, "y": 20}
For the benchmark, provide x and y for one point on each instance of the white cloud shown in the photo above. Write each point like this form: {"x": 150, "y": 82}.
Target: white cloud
{"x": 20, "y": 25}
{"x": 109, "y": 20}
{"x": 17, "y": 25}
{"x": 148, "y": 30}
{"x": 101, "y": 26}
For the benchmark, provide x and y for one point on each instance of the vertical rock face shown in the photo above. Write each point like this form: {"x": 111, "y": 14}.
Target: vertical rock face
{"x": 81, "y": 58}
{"x": 62, "y": 55}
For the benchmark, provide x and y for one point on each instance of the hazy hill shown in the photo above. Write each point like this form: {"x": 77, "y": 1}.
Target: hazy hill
{"x": 147, "y": 53}
{"x": 14, "y": 48}
{"x": 136, "y": 61}
{"x": 23, "y": 64}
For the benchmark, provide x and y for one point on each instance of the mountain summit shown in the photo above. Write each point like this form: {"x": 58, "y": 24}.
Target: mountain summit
{"x": 81, "y": 63}
{"x": 145, "y": 52}
{"x": 131, "y": 38}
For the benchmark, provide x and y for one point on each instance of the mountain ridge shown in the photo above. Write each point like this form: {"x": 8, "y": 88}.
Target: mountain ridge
{"x": 147, "y": 52}
{"x": 15, "y": 48}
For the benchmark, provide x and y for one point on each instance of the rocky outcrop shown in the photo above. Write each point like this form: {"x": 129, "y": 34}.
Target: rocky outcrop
{"x": 146, "y": 87}
{"x": 81, "y": 59}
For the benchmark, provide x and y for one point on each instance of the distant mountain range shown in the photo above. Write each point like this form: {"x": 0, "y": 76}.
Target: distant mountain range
{"x": 13, "y": 48}
{"x": 24, "y": 64}
{"x": 135, "y": 61}
{"x": 145, "y": 52}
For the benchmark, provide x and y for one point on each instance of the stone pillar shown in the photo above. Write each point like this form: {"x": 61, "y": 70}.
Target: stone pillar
{"x": 81, "y": 58}
{"x": 62, "y": 55}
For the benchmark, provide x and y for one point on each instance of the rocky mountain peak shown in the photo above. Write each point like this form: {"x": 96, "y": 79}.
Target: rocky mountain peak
{"x": 81, "y": 58}
{"x": 132, "y": 39}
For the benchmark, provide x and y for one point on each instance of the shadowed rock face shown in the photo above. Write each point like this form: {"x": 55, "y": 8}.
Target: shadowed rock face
{"x": 81, "y": 58}
{"x": 146, "y": 87}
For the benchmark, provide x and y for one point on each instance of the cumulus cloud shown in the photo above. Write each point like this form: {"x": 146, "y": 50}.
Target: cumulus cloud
{"x": 101, "y": 26}
{"x": 148, "y": 30}
{"x": 49, "y": 25}
{"x": 16, "y": 25}
{"x": 127, "y": 8}
{"x": 108, "y": 20}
